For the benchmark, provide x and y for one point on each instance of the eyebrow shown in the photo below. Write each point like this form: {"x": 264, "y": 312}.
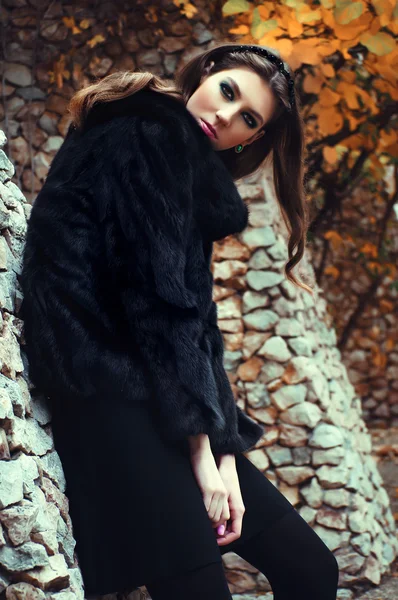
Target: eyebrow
{"x": 238, "y": 93}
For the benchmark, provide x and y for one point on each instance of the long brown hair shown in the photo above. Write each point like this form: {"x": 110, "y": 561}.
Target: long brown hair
{"x": 283, "y": 141}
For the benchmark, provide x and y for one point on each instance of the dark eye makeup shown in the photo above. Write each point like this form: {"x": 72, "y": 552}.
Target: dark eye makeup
{"x": 253, "y": 122}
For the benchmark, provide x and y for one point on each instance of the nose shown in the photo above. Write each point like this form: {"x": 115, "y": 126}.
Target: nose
{"x": 224, "y": 116}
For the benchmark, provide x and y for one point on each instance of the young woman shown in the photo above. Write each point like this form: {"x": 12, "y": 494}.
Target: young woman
{"x": 121, "y": 329}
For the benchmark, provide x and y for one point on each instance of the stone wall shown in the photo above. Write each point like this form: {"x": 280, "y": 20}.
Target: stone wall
{"x": 286, "y": 372}
{"x": 37, "y": 558}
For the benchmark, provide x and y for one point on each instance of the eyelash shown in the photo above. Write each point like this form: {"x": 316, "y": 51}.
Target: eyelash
{"x": 254, "y": 123}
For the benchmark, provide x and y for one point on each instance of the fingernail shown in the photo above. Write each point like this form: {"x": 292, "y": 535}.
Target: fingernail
{"x": 221, "y": 529}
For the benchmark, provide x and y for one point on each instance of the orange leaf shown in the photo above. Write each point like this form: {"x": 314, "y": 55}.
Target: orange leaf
{"x": 328, "y": 97}
{"x": 241, "y": 30}
{"x": 330, "y": 120}
{"x": 349, "y": 92}
{"x": 348, "y": 76}
{"x": 265, "y": 10}
{"x": 333, "y": 271}
{"x": 375, "y": 26}
{"x": 312, "y": 84}
{"x": 384, "y": 9}
{"x": 327, "y": 69}
{"x": 97, "y": 39}
{"x": 294, "y": 28}
{"x": 335, "y": 239}
{"x": 70, "y": 24}
{"x": 387, "y": 138}
{"x": 369, "y": 249}
{"x": 284, "y": 46}
{"x": 375, "y": 267}
{"x": 330, "y": 154}
{"x": 85, "y": 23}
{"x": 386, "y": 306}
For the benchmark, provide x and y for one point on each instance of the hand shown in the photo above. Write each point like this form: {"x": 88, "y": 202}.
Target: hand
{"x": 211, "y": 485}
{"x": 233, "y": 529}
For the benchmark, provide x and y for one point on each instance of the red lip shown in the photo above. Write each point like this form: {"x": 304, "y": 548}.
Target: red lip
{"x": 211, "y": 128}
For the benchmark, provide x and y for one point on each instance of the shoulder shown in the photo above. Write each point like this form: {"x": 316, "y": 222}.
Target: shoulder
{"x": 145, "y": 113}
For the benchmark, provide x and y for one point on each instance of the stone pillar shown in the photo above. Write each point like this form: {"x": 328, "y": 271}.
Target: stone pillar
{"x": 287, "y": 373}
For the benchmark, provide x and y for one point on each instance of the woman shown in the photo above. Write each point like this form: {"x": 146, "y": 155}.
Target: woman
{"x": 121, "y": 329}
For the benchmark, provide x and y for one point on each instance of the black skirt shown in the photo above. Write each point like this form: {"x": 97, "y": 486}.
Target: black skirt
{"x": 136, "y": 509}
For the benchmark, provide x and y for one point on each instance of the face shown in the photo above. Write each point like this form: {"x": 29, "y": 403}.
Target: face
{"x": 236, "y": 102}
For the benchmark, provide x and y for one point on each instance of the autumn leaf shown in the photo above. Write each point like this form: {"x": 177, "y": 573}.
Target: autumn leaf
{"x": 97, "y": 39}
{"x": 85, "y": 23}
{"x": 382, "y": 43}
{"x": 235, "y": 6}
{"x": 330, "y": 120}
{"x": 330, "y": 154}
{"x": 334, "y": 238}
{"x": 347, "y": 11}
{"x": 328, "y": 97}
{"x": 333, "y": 271}
{"x": 70, "y": 24}
{"x": 241, "y": 30}
{"x": 369, "y": 249}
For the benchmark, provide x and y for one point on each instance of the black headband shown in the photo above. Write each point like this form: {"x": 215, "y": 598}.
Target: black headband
{"x": 271, "y": 57}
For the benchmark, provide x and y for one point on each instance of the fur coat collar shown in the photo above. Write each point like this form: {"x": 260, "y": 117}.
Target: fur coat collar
{"x": 220, "y": 211}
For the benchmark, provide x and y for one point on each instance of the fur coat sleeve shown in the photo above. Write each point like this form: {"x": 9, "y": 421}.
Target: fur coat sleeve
{"x": 157, "y": 334}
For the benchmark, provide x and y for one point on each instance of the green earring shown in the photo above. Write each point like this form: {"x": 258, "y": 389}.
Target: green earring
{"x": 238, "y": 148}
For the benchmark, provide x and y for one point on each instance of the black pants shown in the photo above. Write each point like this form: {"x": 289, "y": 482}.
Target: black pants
{"x": 296, "y": 562}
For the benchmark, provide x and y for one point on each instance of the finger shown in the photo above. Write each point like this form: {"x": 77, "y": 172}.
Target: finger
{"x": 213, "y": 506}
{"x": 220, "y": 506}
{"x": 226, "y": 515}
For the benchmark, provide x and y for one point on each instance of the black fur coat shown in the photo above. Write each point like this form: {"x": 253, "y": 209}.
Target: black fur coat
{"x": 116, "y": 272}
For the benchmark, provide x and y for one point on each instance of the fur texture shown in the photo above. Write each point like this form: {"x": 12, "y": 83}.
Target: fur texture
{"x": 116, "y": 273}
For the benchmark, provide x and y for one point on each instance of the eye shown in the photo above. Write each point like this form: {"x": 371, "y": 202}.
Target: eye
{"x": 223, "y": 86}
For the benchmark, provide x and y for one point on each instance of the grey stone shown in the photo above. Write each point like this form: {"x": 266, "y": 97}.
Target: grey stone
{"x": 337, "y": 498}
{"x": 288, "y": 395}
{"x": 304, "y": 413}
{"x": 260, "y": 260}
{"x": 326, "y": 436}
{"x": 331, "y": 456}
{"x": 279, "y": 455}
{"x": 259, "y": 280}
{"x": 257, "y": 237}
{"x": 201, "y": 34}
{"x": 312, "y": 494}
{"x": 289, "y": 327}
{"x": 23, "y": 557}
{"x": 301, "y": 456}
{"x": 261, "y": 320}
{"x": 11, "y": 489}
{"x": 275, "y": 348}
{"x": 300, "y": 346}
{"x": 362, "y": 543}
{"x": 18, "y": 74}
{"x": 332, "y": 477}
{"x": 31, "y": 93}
